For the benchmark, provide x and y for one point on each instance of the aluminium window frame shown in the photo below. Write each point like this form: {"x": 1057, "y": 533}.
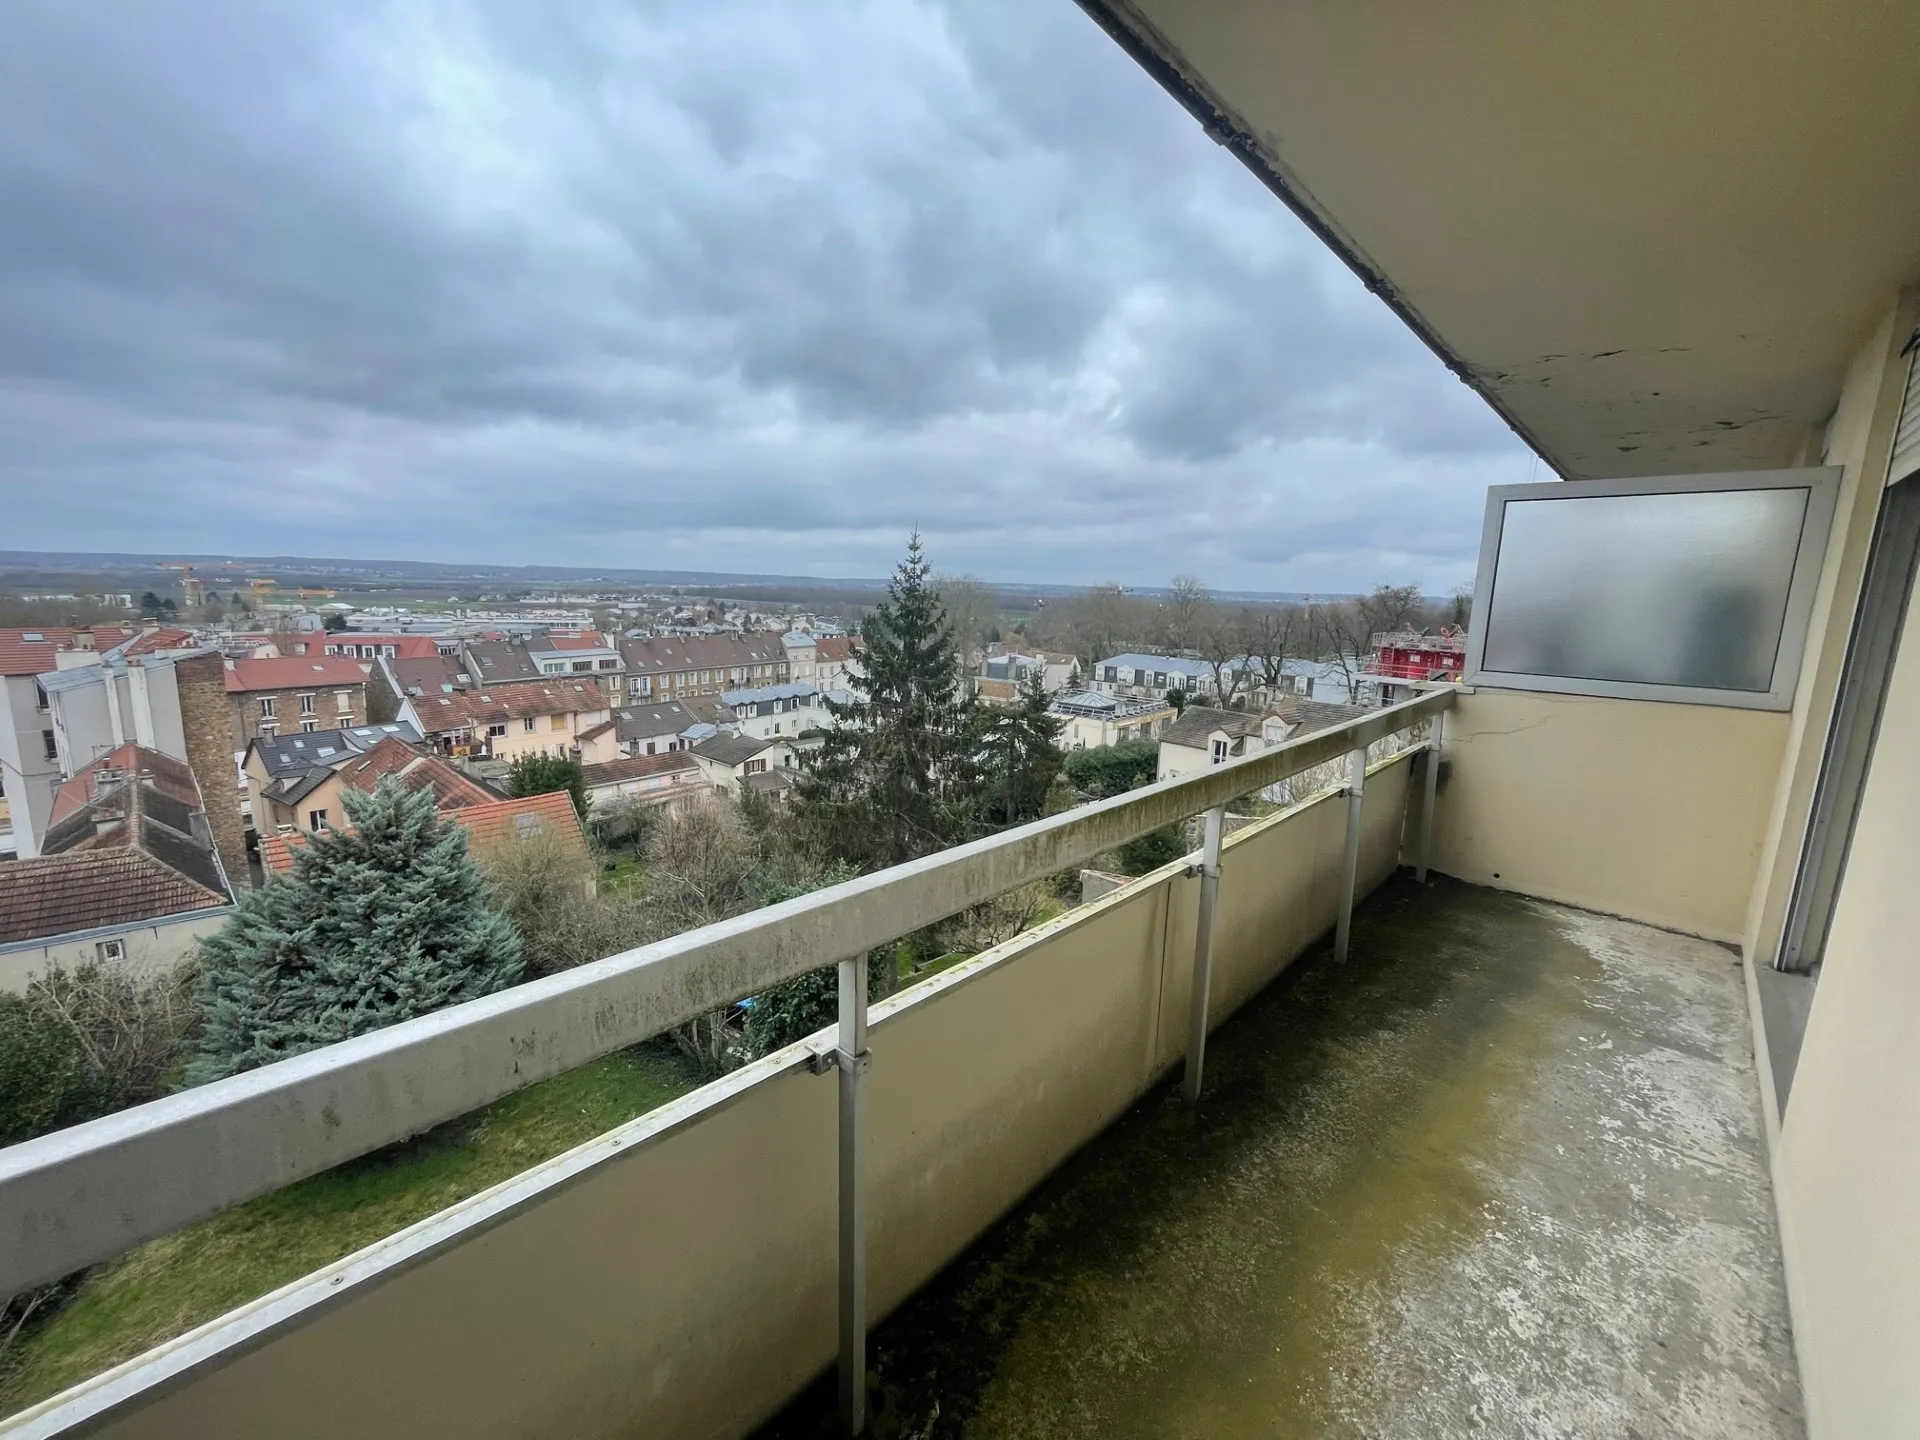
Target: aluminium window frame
{"x": 1822, "y": 484}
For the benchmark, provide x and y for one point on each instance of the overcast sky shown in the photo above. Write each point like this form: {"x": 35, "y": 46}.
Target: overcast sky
{"x": 752, "y": 286}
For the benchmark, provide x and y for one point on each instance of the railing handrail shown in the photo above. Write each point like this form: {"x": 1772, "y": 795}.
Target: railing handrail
{"x": 90, "y": 1192}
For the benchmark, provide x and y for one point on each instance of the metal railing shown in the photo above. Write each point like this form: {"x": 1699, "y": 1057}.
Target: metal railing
{"x": 88, "y": 1193}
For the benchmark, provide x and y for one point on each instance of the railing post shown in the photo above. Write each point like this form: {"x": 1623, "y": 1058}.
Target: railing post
{"x": 853, "y": 1060}
{"x": 1350, "y": 865}
{"x": 1430, "y": 781}
{"x": 1203, "y": 954}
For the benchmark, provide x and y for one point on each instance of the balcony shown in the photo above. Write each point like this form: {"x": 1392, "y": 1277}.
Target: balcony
{"x": 1504, "y": 1160}
{"x": 1505, "y": 1166}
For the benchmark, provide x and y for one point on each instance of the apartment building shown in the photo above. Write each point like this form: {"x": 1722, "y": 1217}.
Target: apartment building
{"x": 1000, "y": 675}
{"x": 667, "y": 667}
{"x": 563, "y": 717}
{"x": 30, "y": 765}
{"x": 787, "y": 709}
{"x": 294, "y": 694}
{"x": 1150, "y": 677}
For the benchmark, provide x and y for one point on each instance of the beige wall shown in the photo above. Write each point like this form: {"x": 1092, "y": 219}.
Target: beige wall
{"x": 1860, "y": 440}
{"x": 1653, "y": 811}
{"x": 157, "y": 946}
{"x": 676, "y": 1277}
{"x": 1847, "y": 1168}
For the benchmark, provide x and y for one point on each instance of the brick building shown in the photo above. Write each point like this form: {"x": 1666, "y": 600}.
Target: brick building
{"x": 292, "y": 693}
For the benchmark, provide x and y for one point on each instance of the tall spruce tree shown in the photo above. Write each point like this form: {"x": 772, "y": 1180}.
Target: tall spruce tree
{"x": 896, "y": 778}
{"x": 377, "y": 924}
{"x": 1018, "y": 754}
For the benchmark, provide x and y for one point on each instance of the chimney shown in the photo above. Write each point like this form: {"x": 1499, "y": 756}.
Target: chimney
{"x": 207, "y": 722}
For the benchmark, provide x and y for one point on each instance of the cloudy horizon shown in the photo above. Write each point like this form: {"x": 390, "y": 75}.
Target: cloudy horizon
{"x": 742, "y": 287}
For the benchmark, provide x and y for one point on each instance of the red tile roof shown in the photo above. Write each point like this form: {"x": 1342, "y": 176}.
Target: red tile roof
{"x": 160, "y": 638}
{"x": 90, "y": 890}
{"x": 488, "y": 827}
{"x": 834, "y": 647}
{"x": 405, "y": 647}
{"x": 20, "y": 655}
{"x": 168, "y": 775}
{"x": 292, "y": 672}
{"x": 597, "y": 731}
{"x": 393, "y": 756}
{"x": 588, "y": 640}
{"x": 499, "y": 703}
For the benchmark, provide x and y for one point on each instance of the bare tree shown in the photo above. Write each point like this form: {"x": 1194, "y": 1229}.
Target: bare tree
{"x": 1459, "y": 609}
{"x": 1389, "y": 608}
{"x": 973, "y": 612}
{"x": 132, "y": 1026}
{"x": 1222, "y": 642}
{"x": 1343, "y": 637}
{"x": 1095, "y": 624}
{"x": 1186, "y": 614}
{"x": 1272, "y": 634}
{"x": 701, "y": 860}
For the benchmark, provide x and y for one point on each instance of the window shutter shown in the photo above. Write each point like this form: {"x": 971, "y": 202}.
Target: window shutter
{"x": 1906, "y": 435}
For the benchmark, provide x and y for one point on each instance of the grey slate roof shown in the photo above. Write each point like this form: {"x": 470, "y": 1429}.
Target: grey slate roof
{"x": 733, "y": 749}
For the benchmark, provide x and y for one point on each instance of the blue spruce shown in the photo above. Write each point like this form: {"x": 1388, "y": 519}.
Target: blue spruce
{"x": 376, "y": 924}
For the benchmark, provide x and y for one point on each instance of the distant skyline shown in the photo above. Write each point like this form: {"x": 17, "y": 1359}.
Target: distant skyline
{"x": 742, "y": 287}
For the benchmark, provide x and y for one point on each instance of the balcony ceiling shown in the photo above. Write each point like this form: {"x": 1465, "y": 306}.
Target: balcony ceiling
{"x": 1651, "y": 235}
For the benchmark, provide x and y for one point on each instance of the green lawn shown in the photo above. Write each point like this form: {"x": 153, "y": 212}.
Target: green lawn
{"x": 166, "y": 1288}
{"x": 623, "y": 875}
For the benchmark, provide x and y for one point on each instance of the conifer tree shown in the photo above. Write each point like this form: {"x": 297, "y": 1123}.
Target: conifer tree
{"x": 1018, "y": 754}
{"x": 377, "y": 924}
{"x": 895, "y": 780}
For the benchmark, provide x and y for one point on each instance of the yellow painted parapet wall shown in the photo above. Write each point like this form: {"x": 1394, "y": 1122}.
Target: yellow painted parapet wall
{"x": 676, "y": 1277}
{"x": 1653, "y": 811}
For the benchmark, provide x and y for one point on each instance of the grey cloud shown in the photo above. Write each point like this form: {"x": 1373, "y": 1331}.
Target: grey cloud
{"x": 594, "y": 282}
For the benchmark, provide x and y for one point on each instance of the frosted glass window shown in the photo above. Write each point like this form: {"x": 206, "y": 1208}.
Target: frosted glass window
{"x": 1681, "y": 588}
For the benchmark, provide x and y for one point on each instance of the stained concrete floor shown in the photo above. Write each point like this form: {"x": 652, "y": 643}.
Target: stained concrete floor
{"x": 1500, "y": 1175}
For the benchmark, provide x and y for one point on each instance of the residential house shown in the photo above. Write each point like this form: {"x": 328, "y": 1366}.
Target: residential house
{"x": 127, "y": 874}
{"x": 293, "y": 780}
{"x": 1150, "y": 677}
{"x": 836, "y": 660}
{"x": 1090, "y": 719}
{"x": 290, "y": 694}
{"x": 402, "y": 760}
{"x": 564, "y": 717}
{"x": 662, "y": 727}
{"x": 670, "y": 779}
{"x": 1204, "y": 736}
{"x": 670, "y": 667}
{"x": 491, "y": 826}
{"x": 785, "y": 709}
{"x": 998, "y": 677}
{"x": 729, "y": 761}
{"x": 29, "y": 747}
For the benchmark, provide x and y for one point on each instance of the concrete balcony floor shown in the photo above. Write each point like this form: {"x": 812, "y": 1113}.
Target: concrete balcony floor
{"x": 1502, "y": 1174}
